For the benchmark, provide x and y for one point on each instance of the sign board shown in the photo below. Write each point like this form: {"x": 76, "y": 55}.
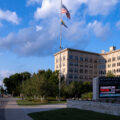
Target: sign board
{"x": 109, "y": 87}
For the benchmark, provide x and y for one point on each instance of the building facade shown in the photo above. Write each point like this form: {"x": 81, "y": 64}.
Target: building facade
{"x": 77, "y": 65}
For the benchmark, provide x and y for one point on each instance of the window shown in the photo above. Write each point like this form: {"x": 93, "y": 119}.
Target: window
{"x": 81, "y": 77}
{"x": 109, "y": 65}
{"x": 118, "y": 64}
{"x": 56, "y": 60}
{"x": 95, "y": 66}
{"x": 70, "y": 64}
{"x": 86, "y": 77}
{"x": 76, "y": 70}
{"x": 118, "y": 58}
{"x": 76, "y": 57}
{"x": 114, "y": 71}
{"x": 113, "y": 59}
{"x": 64, "y": 70}
{"x": 63, "y": 64}
{"x": 86, "y": 66}
{"x": 71, "y": 57}
{"x": 102, "y": 61}
{"x": 90, "y": 71}
{"x": 102, "y": 66}
{"x": 75, "y": 76}
{"x": 90, "y": 66}
{"x": 81, "y": 59}
{"x": 75, "y": 64}
{"x": 57, "y": 66}
{"x": 95, "y": 61}
{"x": 113, "y": 65}
{"x": 70, "y": 76}
{"x": 70, "y": 70}
{"x": 86, "y": 71}
{"x": 109, "y": 60}
{"x": 81, "y": 70}
{"x": 91, "y": 60}
{"x": 86, "y": 59}
{"x": 63, "y": 57}
{"x": 81, "y": 65}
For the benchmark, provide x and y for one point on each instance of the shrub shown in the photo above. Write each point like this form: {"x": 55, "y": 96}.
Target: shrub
{"x": 87, "y": 96}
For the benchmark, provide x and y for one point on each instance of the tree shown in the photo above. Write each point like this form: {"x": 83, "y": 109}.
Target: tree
{"x": 13, "y": 83}
{"x": 87, "y": 87}
{"x": 110, "y": 74}
{"x": 42, "y": 84}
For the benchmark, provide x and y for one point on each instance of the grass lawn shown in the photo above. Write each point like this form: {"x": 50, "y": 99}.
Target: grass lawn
{"x": 38, "y": 102}
{"x": 71, "y": 114}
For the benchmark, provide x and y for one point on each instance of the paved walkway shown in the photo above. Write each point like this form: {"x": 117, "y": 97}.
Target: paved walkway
{"x": 12, "y": 111}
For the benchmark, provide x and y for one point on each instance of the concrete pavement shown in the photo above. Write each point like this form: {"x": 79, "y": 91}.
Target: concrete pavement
{"x": 40, "y": 108}
{"x": 11, "y": 111}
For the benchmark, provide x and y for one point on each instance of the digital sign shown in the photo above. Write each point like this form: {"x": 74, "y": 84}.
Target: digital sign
{"x": 109, "y": 87}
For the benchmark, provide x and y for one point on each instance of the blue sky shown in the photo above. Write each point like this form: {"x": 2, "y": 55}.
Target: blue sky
{"x": 29, "y": 31}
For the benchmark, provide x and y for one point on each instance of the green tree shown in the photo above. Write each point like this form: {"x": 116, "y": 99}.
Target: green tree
{"x": 13, "y": 83}
{"x": 42, "y": 84}
{"x": 110, "y": 74}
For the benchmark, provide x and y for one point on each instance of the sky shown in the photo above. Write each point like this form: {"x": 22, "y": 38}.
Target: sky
{"x": 30, "y": 30}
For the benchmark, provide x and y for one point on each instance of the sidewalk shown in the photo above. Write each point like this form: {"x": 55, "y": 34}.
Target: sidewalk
{"x": 13, "y": 112}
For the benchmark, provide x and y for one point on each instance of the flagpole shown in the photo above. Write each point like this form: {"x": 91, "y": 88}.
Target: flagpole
{"x": 60, "y": 49}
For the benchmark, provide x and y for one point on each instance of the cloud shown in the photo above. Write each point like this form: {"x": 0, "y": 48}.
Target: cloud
{"x": 9, "y": 16}
{"x": 100, "y": 30}
{"x": 32, "y": 2}
{"x": 98, "y": 7}
{"x": 44, "y": 41}
{"x": 3, "y": 74}
{"x": 52, "y": 7}
{"x": 32, "y": 43}
{"x": 118, "y": 24}
{"x": 39, "y": 28}
{"x": 93, "y": 7}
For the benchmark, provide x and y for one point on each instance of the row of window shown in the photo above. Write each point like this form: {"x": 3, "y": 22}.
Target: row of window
{"x": 113, "y": 65}
{"x": 57, "y": 66}
{"x": 72, "y": 76}
{"x": 81, "y": 65}
{"x": 114, "y": 59}
{"x": 82, "y": 71}
{"x": 71, "y": 57}
{"x": 114, "y": 70}
{"x": 62, "y": 58}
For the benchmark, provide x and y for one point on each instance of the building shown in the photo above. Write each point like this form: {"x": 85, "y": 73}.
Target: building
{"x": 77, "y": 65}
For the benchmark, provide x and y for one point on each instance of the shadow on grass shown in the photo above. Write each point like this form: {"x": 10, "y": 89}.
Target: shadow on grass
{"x": 72, "y": 114}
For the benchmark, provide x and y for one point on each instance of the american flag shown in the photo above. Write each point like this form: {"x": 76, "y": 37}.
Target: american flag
{"x": 65, "y": 10}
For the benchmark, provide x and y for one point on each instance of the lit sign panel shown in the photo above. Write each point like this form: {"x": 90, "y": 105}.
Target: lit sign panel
{"x": 109, "y": 87}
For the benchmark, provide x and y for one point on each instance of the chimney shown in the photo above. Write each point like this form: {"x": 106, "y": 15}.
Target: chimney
{"x": 112, "y": 48}
{"x": 102, "y": 51}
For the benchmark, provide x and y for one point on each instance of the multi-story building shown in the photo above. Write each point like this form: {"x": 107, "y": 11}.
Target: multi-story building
{"x": 77, "y": 65}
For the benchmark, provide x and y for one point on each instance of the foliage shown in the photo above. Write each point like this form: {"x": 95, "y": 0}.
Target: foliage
{"x": 110, "y": 74}
{"x": 2, "y": 90}
{"x": 42, "y": 84}
{"x": 30, "y": 102}
{"x": 75, "y": 89}
{"x": 87, "y": 96}
{"x": 13, "y": 83}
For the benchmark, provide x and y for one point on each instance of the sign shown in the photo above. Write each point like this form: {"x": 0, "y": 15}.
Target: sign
{"x": 109, "y": 87}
